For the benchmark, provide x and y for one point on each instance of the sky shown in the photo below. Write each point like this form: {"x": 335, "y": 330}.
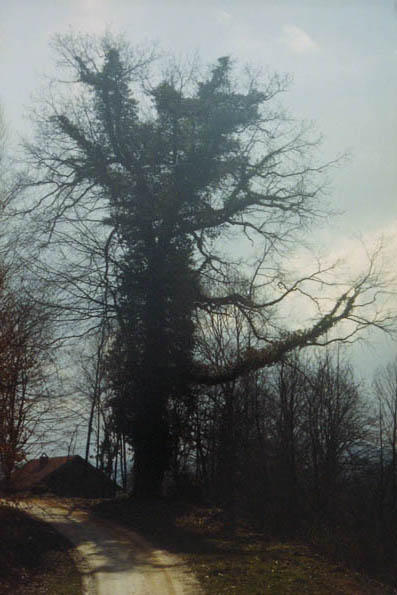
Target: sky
{"x": 342, "y": 56}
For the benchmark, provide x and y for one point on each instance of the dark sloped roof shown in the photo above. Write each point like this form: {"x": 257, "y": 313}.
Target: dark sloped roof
{"x": 64, "y": 476}
{"x": 37, "y": 470}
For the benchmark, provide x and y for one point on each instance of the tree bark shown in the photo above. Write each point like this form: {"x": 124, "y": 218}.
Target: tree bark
{"x": 151, "y": 453}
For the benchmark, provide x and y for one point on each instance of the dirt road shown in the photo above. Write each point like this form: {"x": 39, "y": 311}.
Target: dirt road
{"x": 113, "y": 560}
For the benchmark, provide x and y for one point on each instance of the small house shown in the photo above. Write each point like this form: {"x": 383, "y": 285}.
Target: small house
{"x": 69, "y": 476}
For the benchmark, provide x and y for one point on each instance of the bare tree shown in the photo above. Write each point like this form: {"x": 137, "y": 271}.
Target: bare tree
{"x": 103, "y": 436}
{"x": 386, "y": 392}
{"x": 25, "y": 369}
{"x": 334, "y": 425}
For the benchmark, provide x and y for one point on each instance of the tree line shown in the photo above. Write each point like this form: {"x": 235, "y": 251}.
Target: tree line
{"x": 301, "y": 448}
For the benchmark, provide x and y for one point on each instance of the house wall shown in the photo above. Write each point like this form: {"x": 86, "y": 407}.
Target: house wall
{"x": 77, "y": 479}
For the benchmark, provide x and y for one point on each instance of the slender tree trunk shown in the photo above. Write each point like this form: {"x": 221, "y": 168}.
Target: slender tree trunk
{"x": 89, "y": 429}
{"x": 96, "y": 395}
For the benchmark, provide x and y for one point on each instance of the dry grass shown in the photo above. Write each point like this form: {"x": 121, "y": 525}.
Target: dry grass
{"x": 245, "y": 562}
{"x": 34, "y": 558}
{"x": 254, "y": 567}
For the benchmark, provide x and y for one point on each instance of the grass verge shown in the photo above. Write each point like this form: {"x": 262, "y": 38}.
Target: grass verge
{"x": 244, "y": 562}
{"x": 34, "y": 558}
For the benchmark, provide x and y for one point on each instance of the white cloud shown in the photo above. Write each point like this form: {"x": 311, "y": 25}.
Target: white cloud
{"x": 93, "y": 16}
{"x": 223, "y": 17}
{"x": 351, "y": 257}
{"x": 297, "y": 40}
{"x": 354, "y": 250}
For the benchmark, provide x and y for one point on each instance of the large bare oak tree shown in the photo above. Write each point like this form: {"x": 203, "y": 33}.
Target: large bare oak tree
{"x": 142, "y": 184}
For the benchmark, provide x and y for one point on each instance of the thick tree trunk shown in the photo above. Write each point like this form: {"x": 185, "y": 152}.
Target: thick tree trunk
{"x": 151, "y": 445}
{"x": 159, "y": 371}
{"x": 148, "y": 473}
{"x": 151, "y": 451}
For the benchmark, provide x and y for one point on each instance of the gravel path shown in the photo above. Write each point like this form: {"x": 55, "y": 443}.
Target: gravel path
{"x": 114, "y": 560}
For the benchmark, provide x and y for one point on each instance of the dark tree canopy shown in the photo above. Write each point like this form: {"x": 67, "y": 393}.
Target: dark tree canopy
{"x": 140, "y": 183}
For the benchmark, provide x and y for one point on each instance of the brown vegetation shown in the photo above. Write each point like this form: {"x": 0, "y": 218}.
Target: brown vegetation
{"x": 34, "y": 558}
{"x": 246, "y": 562}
